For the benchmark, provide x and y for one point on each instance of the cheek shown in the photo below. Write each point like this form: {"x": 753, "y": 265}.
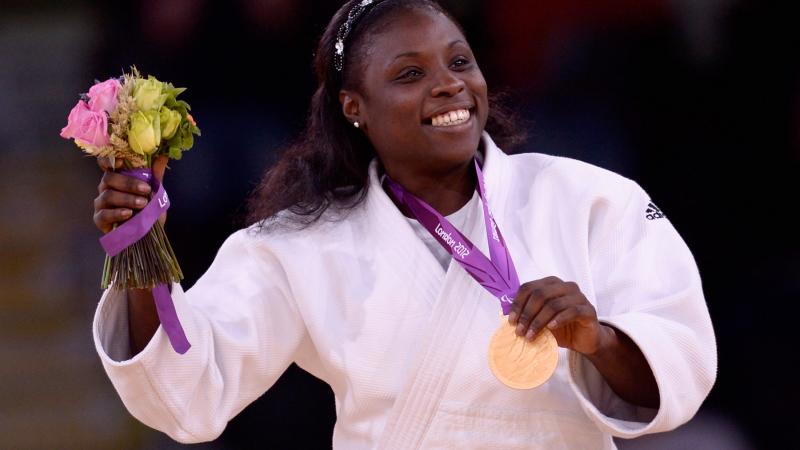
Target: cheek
{"x": 480, "y": 84}
{"x": 481, "y": 92}
{"x": 390, "y": 125}
{"x": 395, "y": 115}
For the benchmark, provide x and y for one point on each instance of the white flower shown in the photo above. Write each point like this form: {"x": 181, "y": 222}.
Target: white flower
{"x": 366, "y": 2}
{"x": 340, "y": 47}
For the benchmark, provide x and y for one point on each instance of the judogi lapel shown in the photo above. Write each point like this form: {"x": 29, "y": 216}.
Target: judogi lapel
{"x": 452, "y": 317}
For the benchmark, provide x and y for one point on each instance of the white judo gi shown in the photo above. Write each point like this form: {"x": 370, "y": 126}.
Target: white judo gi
{"x": 365, "y": 306}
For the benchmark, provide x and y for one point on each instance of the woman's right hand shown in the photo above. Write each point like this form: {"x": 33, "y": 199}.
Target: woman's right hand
{"x": 121, "y": 195}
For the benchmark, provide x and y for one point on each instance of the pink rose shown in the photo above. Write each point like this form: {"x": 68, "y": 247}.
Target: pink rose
{"x": 87, "y": 127}
{"x": 103, "y": 96}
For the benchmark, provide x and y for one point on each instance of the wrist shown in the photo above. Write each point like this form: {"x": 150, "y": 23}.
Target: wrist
{"x": 607, "y": 341}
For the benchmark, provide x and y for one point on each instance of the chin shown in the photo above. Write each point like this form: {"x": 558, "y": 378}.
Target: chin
{"x": 452, "y": 154}
{"x": 458, "y": 142}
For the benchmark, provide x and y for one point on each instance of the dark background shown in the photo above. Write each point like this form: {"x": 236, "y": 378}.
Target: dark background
{"x": 697, "y": 100}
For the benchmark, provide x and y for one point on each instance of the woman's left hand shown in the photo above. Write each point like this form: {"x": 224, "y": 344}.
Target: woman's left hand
{"x": 561, "y": 307}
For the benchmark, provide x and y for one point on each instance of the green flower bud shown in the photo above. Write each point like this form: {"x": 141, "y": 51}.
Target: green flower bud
{"x": 144, "y": 135}
{"x": 169, "y": 122}
{"x": 148, "y": 94}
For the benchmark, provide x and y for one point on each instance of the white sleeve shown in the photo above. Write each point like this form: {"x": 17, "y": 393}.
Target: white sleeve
{"x": 244, "y": 330}
{"x": 647, "y": 285}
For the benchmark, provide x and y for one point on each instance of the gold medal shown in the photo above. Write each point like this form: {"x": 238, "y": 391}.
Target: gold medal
{"x": 519, "y": 363}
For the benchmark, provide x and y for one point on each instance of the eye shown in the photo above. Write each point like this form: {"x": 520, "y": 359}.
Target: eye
{"x": 461, "y": 62}
{"x": 410, "y": 74}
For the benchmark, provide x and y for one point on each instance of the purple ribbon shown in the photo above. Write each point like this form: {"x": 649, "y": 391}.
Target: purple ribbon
{"x": 497, "y": 274}
{"x": 136, "y": 228}
{"x": 169, "y": 319}
{"x": 139, "y": 225}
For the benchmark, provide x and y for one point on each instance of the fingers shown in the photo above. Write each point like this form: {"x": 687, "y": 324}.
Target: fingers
{"x": 541, "y": 311}
{"x": 110, "y": 199}
{"x": 112, "y": 206}
{"x": 124, "y": 183}
{"x": 524, "y": 292}
{"x": 105, "y": 163}
{"x": 159, "y": 166}
{"x": 544, "y": 301}
{"x": 535, "y": 288}
{"x": 106, "y": 218}
{"x": 119, "y": 195}
{"x": 571, "y": 314}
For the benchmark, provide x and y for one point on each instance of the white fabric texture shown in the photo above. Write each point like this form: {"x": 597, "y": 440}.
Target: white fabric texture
{"x": 458, "y": 219}
{"x": 365, "y": 306}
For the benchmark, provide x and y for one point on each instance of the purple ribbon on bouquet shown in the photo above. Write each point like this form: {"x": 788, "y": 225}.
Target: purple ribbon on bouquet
{"x": 136, "y": 228}
{"x": 497, "y": 274}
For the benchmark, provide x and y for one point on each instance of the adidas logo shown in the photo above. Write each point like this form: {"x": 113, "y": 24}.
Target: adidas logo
{"x": 652, "y": 212}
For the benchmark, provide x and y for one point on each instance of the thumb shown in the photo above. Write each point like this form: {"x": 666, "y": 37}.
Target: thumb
{"x": 159, "y": 166}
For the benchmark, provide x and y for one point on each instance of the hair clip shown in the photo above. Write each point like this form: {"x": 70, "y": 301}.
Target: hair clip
{"x": 344, "y": 30}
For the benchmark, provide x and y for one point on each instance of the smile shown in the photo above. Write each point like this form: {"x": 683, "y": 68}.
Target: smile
{"x": 455, "y": 119}
{"x": 450, "y": 118}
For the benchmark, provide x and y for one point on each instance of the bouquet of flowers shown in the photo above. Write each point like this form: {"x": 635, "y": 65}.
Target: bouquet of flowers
{"x": 135, "y": 119}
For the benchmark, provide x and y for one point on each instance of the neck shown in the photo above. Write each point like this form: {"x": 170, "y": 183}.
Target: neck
{"x": 446, "y": 192}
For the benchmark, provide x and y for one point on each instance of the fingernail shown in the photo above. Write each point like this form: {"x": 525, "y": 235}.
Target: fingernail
{"x": 512, "y": 317}
{"x": 552, "y": 324}
{"x": 126, "y": 212}
{"x": 520, "y": 329}
{"x": 144, "y": 188}
{"x": 140, "y": 201}
{"x": 529, "y": 335}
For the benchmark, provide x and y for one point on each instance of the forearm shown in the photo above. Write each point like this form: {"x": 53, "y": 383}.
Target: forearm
{"x": 143, "y": 318}
{"x": 620, "y": 361}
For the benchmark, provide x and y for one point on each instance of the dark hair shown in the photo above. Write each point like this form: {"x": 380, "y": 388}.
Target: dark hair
{"x": 328, "y": 164}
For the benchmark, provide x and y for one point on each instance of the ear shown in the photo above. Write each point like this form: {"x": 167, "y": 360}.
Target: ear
{"x": 351, "y": 106}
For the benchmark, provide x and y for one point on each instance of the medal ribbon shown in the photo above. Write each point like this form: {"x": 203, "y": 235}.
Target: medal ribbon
{"x": 136, "y": 228}
{"x": 496, "y": 273}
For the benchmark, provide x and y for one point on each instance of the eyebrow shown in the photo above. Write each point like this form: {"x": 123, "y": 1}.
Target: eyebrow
{"x": 413, "y": 54}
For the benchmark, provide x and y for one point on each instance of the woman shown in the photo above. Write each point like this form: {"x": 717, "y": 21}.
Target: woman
{"x": 339, "y": 276}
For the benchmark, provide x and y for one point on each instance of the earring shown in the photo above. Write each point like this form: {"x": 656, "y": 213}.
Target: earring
{"x": 356, "y": 124}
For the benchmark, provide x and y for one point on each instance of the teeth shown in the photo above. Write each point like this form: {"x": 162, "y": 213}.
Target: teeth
{"x": 456, "y": 117}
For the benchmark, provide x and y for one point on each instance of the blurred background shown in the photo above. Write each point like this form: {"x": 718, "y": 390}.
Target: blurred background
{"x": 697, "y": 100}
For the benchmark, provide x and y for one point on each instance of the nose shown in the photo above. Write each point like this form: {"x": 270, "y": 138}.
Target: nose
{"x": 447, "y": 84}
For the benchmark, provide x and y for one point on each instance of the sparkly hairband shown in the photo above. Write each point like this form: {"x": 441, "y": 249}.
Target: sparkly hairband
{"x": 347, "y": 26}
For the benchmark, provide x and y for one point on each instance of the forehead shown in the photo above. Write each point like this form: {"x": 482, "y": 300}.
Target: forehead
{"x": 414, "y": 31}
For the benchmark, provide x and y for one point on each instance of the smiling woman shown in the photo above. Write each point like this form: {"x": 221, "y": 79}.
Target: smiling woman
{"x": 381, "y": 85}
{"x": 388, "y": 245}
{"x": 408, "y": 100}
